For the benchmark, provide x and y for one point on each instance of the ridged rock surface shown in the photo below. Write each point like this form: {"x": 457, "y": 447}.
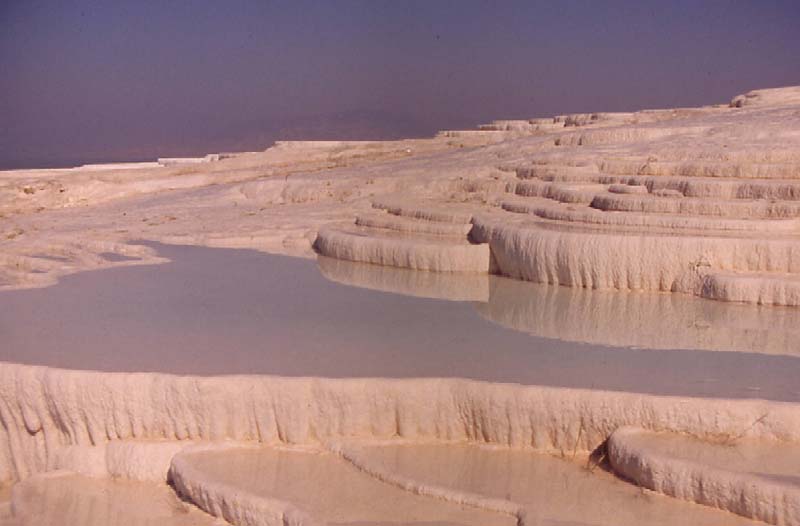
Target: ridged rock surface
{"x": 139, "y": 426}
{"x": 756, "y": 480}
{"x": 703, "y": 202}
{"x": 47, "y": 411}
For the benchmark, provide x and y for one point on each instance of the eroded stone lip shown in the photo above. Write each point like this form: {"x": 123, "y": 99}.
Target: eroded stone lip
{"x": 746, "y": 477}
{"x": 151, "y": 427}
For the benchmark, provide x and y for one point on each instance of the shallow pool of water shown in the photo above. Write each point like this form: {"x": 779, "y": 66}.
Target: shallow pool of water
{"x": 221, "y": 311}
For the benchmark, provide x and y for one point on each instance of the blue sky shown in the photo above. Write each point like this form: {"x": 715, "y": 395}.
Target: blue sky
{"x": 87, "y": 81}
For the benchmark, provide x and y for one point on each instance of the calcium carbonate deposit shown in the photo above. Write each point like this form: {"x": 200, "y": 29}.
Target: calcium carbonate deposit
{"x": 583, "y": 319}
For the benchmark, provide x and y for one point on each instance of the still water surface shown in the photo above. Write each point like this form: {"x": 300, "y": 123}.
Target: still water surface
{"x": 222, "y": 311}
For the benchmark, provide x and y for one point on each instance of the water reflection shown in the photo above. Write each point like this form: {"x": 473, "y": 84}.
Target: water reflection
{"x": 222, "y": 311}
{"x": 618, "y": 319}
{"x": 451, "y": 286}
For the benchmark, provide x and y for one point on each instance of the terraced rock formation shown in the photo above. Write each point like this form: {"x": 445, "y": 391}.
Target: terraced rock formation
{"x": 702, "y": 201}
{"x": 699, "y": 201}
{"x": 416, "y": 483}
{"x": 756, "y": 480}
{"x": 413, "y": 235}
{"x": 534, "y": 488}
{"x": 148, "y": 427}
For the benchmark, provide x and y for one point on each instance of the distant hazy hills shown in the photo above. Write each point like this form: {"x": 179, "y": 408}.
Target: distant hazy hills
{"x": 255, "y": 134}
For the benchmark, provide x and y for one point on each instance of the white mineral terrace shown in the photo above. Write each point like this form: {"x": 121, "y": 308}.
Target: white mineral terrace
{"x": 583, "y": 319}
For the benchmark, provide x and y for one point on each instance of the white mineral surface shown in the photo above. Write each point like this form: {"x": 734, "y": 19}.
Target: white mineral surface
{"x": 668, "y": 229}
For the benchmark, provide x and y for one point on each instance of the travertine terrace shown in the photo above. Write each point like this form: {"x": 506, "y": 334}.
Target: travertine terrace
{"x": 698, "y": 201}
{"x": 701, "y": 202}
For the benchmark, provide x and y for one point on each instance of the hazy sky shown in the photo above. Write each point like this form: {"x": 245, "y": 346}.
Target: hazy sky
{"x": 86, "y": 81}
